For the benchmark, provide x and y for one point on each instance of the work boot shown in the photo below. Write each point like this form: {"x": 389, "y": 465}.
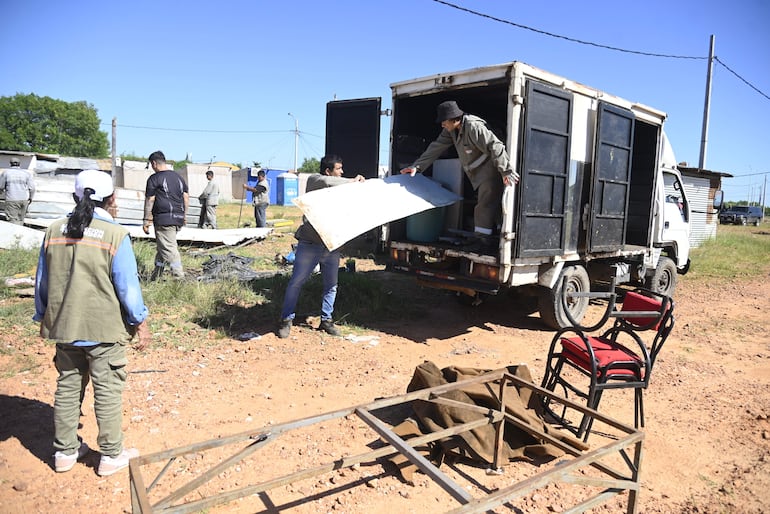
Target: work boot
{"x": 156, "y": 273}
{"x": 284, "y": 328}
{"x": 327, "y": 326}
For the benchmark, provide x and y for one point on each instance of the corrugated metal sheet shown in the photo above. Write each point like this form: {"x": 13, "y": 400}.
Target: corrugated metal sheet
{"x": 53, "y": 199}
{"x": 703, "y": 220}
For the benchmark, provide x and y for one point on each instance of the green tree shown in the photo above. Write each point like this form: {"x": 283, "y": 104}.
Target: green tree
{"x": 31, "y": 123}
{"x": 310, "y": 165}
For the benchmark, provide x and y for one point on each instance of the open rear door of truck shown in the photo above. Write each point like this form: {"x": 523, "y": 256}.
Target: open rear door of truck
{"x": 611, "y": 179}
{"x": 545, "y": 183}
{"x": 353, "y": 133}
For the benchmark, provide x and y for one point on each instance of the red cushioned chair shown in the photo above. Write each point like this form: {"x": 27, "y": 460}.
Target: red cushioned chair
{"x": 619, "y": 358}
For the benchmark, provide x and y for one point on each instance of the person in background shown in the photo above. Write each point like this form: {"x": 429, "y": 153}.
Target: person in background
{"x": 89, "y": 302}
{"x": 261, "y": 198}
{"x": 209, "y": 199}
{"x": 166, "y": 200}
{"x": 311, "y": 252}
{"x": 483, "y": 158}
{"x": 19, "y": 187}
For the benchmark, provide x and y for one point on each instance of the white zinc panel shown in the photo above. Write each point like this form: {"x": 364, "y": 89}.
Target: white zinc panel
{"x": 341, "y": 213}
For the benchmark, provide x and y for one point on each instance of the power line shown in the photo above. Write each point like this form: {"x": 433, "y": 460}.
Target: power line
{"x": 566, "y": 38}
{"x": 168, "y": 129}
{"x": 741, "y": 78}
{"x": 215, "y": 131}
{"x": 597, "y": 45}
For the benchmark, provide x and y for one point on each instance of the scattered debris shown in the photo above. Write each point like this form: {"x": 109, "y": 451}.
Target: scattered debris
{"x": 371, "y": 339}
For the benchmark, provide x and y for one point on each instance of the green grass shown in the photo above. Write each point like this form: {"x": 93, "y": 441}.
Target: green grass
{"x": 186, "y": 314}
{"x": 736, "y": 252}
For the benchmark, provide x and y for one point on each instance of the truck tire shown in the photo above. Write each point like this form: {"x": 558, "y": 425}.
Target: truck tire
{"x": 573, "y": 279}
{"x": 663, "y": 281}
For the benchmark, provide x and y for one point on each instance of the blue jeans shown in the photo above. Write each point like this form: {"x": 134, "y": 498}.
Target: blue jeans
{"x": 307, "y": 256}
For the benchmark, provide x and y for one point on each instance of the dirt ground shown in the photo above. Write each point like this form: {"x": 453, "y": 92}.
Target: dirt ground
{"x": 707, "y": 434}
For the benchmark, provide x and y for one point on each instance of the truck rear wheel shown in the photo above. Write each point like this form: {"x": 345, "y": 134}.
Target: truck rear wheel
{"x": 663, "y": 281}
{"x": 573, "y": 279}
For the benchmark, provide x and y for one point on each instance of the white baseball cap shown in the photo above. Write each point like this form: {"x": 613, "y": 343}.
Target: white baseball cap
{"x": 99, "y": 181}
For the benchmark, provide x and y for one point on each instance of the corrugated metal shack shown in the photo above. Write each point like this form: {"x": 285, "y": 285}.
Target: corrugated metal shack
{"x": 701, "y": 187}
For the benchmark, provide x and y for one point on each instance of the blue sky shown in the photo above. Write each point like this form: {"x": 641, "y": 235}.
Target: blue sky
{"x": 218, "y": 79}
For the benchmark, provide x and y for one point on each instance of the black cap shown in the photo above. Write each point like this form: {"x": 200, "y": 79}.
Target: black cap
{"x": 448, "y": 111}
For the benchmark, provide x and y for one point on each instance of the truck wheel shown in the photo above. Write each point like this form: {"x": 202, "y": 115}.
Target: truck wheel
{"x": 743, "y": 221}
{"x": 573, "y": 279}
{"x": 663, "y": 281}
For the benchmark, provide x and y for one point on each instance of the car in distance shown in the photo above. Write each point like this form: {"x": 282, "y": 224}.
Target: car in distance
{"x": 741, "y": 215}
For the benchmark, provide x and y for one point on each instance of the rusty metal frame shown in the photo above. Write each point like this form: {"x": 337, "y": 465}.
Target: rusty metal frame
{"x": 612, "y": 482}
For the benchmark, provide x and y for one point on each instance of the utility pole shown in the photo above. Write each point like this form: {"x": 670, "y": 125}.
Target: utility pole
{"x": 706, "y": 108}
{"x": 114, "y": 167}
{"x": 296, "y": 140}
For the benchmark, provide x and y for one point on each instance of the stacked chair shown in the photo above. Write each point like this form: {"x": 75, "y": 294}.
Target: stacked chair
{"x": 584, "y": 361}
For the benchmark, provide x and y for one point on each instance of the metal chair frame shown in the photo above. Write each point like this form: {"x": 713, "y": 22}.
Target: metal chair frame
{"x": 616, "y": 359}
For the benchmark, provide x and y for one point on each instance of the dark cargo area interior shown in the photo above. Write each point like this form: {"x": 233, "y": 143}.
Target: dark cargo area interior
{"x": 643, "y": 173}
{"x": 415, "y": 127}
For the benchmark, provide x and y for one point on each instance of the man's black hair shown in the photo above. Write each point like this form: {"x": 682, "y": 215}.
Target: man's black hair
{"x": 157, "y": 156}
{"x": 328, "y": 162}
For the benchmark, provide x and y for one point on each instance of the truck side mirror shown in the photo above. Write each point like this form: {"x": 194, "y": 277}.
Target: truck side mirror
{"x": 718, "y": 197}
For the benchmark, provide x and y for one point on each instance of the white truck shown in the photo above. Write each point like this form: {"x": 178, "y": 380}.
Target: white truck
{"x": 599, "y": 191}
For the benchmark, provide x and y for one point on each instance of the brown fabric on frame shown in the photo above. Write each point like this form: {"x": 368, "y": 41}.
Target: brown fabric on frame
{"x": 478, "y": 444}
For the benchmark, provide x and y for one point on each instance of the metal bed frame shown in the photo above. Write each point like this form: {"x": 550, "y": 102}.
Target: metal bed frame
{"x": 625, "y": 442}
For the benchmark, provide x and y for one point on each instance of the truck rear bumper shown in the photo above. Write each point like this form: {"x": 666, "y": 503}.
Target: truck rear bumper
{"x": 448, "y": 281}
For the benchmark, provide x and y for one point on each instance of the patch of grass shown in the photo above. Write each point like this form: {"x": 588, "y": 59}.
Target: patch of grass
{"x": 19, "y": 363}
{"x": 736, "y": 252}
{"x": 18, "y": 312}
{"x": 190, "y": 313}
{"x": 16, "y": 262}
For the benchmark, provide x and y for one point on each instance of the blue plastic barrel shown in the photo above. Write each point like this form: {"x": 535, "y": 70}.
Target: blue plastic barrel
{"x": 425, "y": 226}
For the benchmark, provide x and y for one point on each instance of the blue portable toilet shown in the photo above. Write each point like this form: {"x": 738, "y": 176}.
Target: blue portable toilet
{"x": 272, "y": 180}
{"x": 288, "y": 188}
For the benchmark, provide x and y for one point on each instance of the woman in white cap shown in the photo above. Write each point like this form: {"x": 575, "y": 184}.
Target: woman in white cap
{"x": 89, "y": 301}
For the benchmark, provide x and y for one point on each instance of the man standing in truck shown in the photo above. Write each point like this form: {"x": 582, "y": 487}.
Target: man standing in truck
{"x": 483, "y": 158}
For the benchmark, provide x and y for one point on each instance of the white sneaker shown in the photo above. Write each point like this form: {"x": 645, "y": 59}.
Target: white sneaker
{"x": 64, "y": 462}
{"x": 111, "y": 465}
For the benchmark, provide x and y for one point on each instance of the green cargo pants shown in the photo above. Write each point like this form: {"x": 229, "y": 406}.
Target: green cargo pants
{"x": 106, "y": 365}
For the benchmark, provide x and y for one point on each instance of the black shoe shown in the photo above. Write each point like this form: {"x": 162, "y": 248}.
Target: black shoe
{"x": 327, "y": 326}
{"x": 284, "y": 328}
{"x": 157, "y": 273}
